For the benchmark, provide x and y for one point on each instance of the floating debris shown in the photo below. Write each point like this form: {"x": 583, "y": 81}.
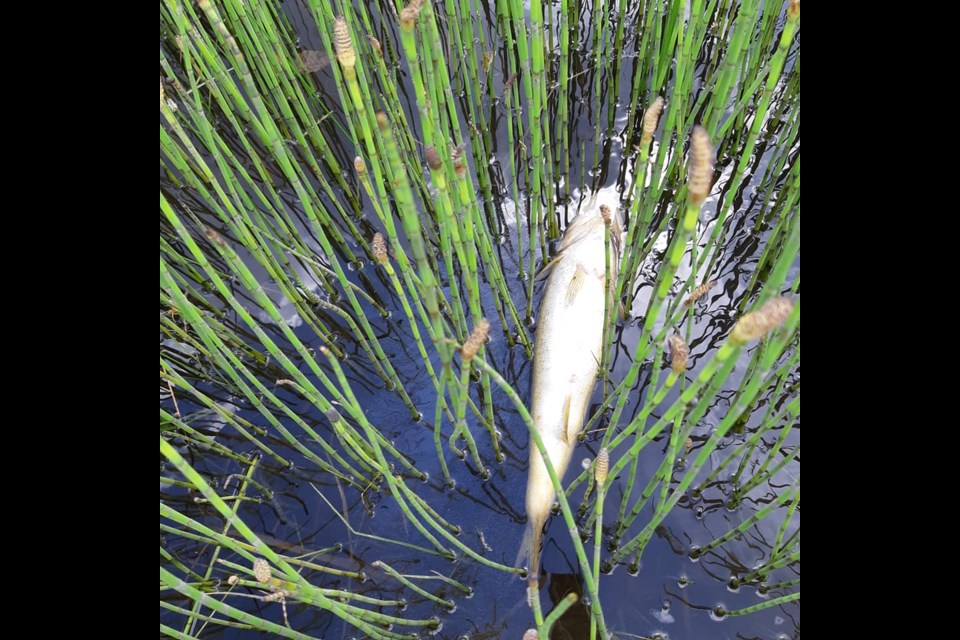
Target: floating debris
{"x": 313, "y": 61}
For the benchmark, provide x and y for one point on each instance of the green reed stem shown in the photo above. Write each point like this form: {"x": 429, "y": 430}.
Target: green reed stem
{"x": 745, "y": 449}
{"x": 609, "y": 318}
{"x": 262, "y": 549}
{"x": 563, "y": 98}
{"x": 787, "y": 519}
{"x": 775, "y": 602}
{"x": 461, "y": 429}
{"x": 241, "y": 491}
{"x": 373, "y": 442}
{"x": 403, "y": 494}
{"x": 756, "y": 517}
{"x": 370, "y": 536}
{"x": 786, "y": 584}
{"x": 598, "y": 18}
{"x": 759, "y": 117}
{"x": 765, "y": 570}
{"x": 379, "y": 564}
{"x": 726, "y": 357}
{"x": 568, "y": 601}
{"x": 597, "y": 539}
{"x": 411, "y": 227}
{"x": 588, "y": 575}
{"x": 763, "y": 475}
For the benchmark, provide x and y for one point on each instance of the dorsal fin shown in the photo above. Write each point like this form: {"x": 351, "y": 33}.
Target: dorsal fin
{"x": 547, "y": 267}
{"x": 576, "y": 284}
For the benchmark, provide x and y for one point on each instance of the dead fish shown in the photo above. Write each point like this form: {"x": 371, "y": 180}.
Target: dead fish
{"x": 566, "y": 357}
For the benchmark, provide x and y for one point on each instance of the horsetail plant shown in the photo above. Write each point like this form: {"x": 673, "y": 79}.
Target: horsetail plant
{"x": 352, "y": 195}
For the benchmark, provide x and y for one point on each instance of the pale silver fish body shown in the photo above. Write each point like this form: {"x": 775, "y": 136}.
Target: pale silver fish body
{"x": 566, "y": 358}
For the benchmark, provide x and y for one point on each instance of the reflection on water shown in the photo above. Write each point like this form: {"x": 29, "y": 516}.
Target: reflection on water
{"x": 310, "y": 514}
{"x": 575, "y": 622}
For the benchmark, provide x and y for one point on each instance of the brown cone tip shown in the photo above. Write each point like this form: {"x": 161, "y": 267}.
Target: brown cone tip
{"x": 757, "y": 323}
{"x": 215, "y": 237}
{"x": 342, "y": 44}
{"x": 699, "y": 292}
{"x": 382, "y": 120}
{"x": 408, "y": 15}
{"x": 261, "y": 570}
{"x": 651, "y": 117}
{"x": 605, "y": 214}
{"x": 476, "y": 339}
{"x": 602, "y": 466}
{"x": 360, "y": 166}
{"x": 375, "y": 44}
{"x": 459, "y": 166}
{"x": 379, "y": 246}
{"x": 433, "y": 158}
{"x": 701, "y": 165}
{"x": 679, "y": 352}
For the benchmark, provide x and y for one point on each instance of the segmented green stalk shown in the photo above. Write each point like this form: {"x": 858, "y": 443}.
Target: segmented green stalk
{"x": 589, "y": 578}
{"x": 746, "y": 154}
{"x": 251, "y": 155}
{"x": 379, "y": 564}
{"x": 599, "y": 63}
{"x": 600, "y": 467}
{"x": 724, "y": 357}
{"x": 263, "y": 550}
{"x": 563, "y": 99}
{"x": 755, "y": 517}
{"x": 774, "y": 602}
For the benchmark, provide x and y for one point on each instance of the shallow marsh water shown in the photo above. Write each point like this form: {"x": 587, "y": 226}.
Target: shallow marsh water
{"x": 303, "y": 510}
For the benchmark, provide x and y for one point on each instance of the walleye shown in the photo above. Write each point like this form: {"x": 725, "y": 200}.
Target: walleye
{"x": 566, "y": 358}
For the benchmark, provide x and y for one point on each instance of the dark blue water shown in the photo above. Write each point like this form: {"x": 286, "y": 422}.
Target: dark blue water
{"x": 303, "y": 510}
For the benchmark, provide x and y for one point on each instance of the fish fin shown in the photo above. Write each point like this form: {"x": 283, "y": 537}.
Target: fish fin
{"x": 616, "y": 243}
{"x": 545, "y": 271}
{"x": 591, "y": 203}
{"x": 525, "y": 554}
{"x": 570, "y": 435}
{"x": 576, "y": 284}
{"x": 529, "y": 554}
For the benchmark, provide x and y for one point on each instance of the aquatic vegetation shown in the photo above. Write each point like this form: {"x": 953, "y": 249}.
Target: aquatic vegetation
{"x": 355, "y": 200}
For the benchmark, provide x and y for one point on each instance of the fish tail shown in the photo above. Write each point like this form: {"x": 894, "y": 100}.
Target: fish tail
{"x": 529, "y": 553}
